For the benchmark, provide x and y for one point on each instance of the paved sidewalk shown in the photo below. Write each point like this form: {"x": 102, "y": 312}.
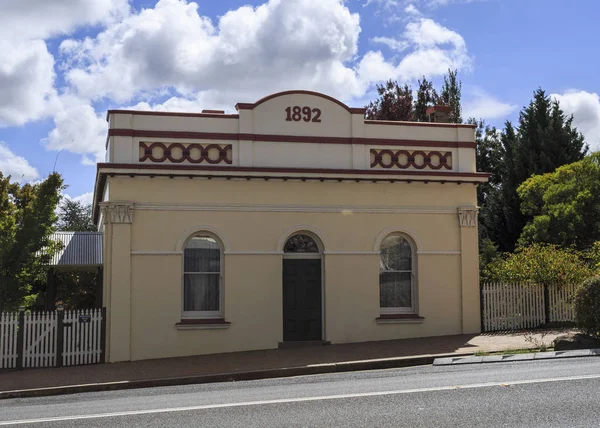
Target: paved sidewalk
{"x": 354, "y": 356}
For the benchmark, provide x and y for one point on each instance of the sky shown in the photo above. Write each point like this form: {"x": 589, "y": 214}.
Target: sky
{"x": 64, "y": 63}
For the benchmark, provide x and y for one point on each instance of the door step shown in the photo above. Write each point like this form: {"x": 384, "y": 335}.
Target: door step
{"x": 303, "y": 344}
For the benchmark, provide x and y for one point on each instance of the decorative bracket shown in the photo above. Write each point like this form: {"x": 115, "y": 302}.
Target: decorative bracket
{"x": 467, "y": 217}
{"x": 117, "y": 212}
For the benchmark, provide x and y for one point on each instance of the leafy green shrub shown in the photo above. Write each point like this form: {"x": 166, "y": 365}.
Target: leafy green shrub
{"x": 587, "y": 307}
{"x": 540, "y": 264}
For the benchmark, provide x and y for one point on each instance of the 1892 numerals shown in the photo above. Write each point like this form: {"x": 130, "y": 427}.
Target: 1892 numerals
{"x": 306, "y": 114}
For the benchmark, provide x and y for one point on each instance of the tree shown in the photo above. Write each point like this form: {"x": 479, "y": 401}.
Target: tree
{"x": 450, "y": 96}
{"x": 564, "y": 205}
{"x": 75, "y": 216}
{"x": 489, "y": 157}
{"x": 394, "y": 103}
{"x": 426, "y": 97}
{"x": 27, "y": 216}
{"x": 544, "y": 141}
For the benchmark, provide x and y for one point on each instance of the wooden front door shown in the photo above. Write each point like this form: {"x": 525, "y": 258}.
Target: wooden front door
{"x": 302, "y": 317}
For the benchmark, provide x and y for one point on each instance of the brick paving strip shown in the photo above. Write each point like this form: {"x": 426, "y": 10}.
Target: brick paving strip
{"x": 254, "y": 365}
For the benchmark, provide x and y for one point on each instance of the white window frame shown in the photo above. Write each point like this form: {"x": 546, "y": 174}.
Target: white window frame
{"x": 203, "y": 314}
{"x": 413, "y": 309}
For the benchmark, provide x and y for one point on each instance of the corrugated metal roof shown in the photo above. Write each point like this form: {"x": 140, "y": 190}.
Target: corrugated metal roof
{"x": 80, "y": 249}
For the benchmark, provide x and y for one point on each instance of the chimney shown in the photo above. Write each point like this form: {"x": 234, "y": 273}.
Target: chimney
{"x": 438, "y": 114}
{"x": 214, "y": 111}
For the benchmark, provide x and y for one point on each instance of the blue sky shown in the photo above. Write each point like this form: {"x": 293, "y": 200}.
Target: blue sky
{"x": 64, "y": 63}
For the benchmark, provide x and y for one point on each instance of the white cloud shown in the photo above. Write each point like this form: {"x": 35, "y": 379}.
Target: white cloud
{"x": 427, "y": 33}
{"x": 85, "y": 199}
{"x": 16, "y": 166}
{"x": 26, "y": 81}
{"x": 585, "y": 108}
{"x": 390, "y": 42}
{"x": 251, "y": 52}
{"x": 435, "y": 49}
{"x": 41, "y": 19}
{"x": 277, "y": 45}
{"x": 412, "y": 10}
{"x": 78, "y": 129}
{"x": 27, "y": 90}
{"x": 481, "y": 105}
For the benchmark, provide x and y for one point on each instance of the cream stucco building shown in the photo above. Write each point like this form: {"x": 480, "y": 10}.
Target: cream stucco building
{"x": 294, "y": 220}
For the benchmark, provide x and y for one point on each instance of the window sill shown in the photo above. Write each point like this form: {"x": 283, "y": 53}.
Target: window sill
{"x": 202, "y": 324}
{"x": 399, "y": 319}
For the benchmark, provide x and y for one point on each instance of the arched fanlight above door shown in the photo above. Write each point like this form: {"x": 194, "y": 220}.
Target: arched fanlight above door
{"x": 301, "y": 243}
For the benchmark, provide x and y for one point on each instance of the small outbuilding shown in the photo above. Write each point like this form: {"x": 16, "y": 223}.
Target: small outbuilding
{"x": 294, "y": 220}
{"x": 79, "y": 252}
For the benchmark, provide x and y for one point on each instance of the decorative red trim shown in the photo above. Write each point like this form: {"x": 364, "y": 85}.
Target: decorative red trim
{"x": 205, "y": 113}
{"x": 399, "y": 317}
{"x": 148, "y": 149}
{"x": 219, "y": 321}
{"x": 250, "y": 106}
{"x": 394, "y": 159}
{"x": 431, "y": 124}
{"x": 186, "y": 167}
{"x": 116, "y": 132}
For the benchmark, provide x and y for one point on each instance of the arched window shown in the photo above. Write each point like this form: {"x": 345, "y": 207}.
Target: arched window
{"x": 202, "y": 277}
{"x": 397, "y": 291}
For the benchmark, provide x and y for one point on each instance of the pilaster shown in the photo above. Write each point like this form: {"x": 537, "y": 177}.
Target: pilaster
{"x": 118, "y": 217}
{"x": 469, "y": 247}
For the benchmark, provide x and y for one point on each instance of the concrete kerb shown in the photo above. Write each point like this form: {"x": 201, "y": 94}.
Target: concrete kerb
{"x": 314, "y": 369}
{"x": 454, "y": 360}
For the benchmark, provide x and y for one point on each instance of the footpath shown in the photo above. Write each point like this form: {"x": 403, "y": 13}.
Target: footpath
{"x": 261, "y": 364}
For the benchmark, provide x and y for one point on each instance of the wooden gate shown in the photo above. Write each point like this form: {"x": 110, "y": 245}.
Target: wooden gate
{"x": 52, "y": 339}
{"x": 83, "y": 337}
{"x": 39, "y": 339}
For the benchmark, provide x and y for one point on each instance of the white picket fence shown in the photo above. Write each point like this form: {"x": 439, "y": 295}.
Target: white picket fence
{"x": 515, "y": 306}
{"x": 51, "y": 339}
{"x": 9, "y": 322}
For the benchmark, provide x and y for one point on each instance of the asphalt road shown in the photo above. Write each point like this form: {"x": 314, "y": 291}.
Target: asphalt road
{"x": 551, "y": 393}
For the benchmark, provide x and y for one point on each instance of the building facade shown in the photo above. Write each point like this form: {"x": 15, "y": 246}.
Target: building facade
{"x": 294, "y": 220}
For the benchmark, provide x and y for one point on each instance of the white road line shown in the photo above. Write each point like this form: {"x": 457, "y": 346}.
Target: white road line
{"x": 292, "y": 400}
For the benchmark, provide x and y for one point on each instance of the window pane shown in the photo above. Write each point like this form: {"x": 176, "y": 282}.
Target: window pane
{"x": 395, "y": 254}
{"x": 201, "y": 292}
{"x": 395, "y": 290}
{"x": 202, "y": 255}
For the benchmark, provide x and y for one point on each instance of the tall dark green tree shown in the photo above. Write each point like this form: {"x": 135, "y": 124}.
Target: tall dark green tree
{"x": 544, "y": 140}
{"x": 450, "y": 96}
{"x": 75, "y": 216}
{"x": 426, "y": 97}
{"x": 489, "y": 157}
{"x": 27, "y": 218}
